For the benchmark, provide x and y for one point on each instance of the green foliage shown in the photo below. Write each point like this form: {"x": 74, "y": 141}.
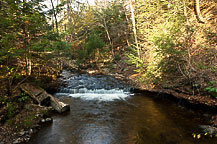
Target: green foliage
{"x": 23, "y": 97}
{"x": 3, "y": 100}
{"x": 51, "y": 41}
{"x": 43, "y": 45}
{"x": 81, "y": 56}
{"x": 22, "y": 122}
{"x": 27, "y": 122}
{"x": 21, "y": 24}
{"x": 94, "y": 42}
{"x": 135, "y": 60}
{"x": 160, "y": 24}
{"x": 12, "y": 107}
{"x": 26, "y": 40}
{"x": 61, "y": 46}
{"x": 173, "y": 47}
{"x": 212, "y": 89}
{"x": 93, "y": 46}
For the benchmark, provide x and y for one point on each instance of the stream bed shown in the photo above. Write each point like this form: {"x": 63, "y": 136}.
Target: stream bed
{"x": 104, "y": 111}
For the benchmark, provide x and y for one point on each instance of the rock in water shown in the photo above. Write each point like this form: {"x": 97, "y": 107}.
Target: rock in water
{"x": 210, "y": 130}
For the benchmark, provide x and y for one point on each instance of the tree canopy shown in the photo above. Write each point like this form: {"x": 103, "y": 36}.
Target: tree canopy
{"x": 170, "y": 43}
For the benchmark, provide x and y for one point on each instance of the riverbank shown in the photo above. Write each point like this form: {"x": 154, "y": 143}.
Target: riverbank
{"x": 20, "y": 115}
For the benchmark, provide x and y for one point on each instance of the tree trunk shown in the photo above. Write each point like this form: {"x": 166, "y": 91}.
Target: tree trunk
{"x": 134, "y": 27}
{"x": 29, "y": 67}
{"x": 69, "y": 14}
{"x": 128, "y": 28}
{"x": 29, "y": 63}
{"x": 108, "y": 35}
{"x": 197, "y": 11}
{"x": 55, "y": 16}
{"x": 10, "y": 80}
{"x": 25, "y": 44}
{"x": 185, "y": 12}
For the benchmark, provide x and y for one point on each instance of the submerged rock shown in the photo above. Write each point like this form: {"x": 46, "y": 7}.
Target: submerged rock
{"x": 46, "y": 120}
{"x": 214, "y": 121}
{"x": 17, "y": 141}
{"x": 210, "y": 130}
{"x": 22, "y": 133}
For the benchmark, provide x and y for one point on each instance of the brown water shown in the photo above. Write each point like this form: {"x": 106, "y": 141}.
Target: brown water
{"x": 135, "y": 119}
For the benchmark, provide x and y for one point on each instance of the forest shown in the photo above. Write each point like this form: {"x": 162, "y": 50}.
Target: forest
{"x": 158, "y": 45}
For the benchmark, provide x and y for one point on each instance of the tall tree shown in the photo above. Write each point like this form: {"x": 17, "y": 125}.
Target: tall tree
{"x": 134, "y": 26}
{"x": 55, "y": 15}
{"x": 197, "y": 11}
{"x": 26, "y": 41}
{"x": 21, "y": 25}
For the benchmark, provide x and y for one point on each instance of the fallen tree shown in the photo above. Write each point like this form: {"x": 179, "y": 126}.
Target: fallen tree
{"x": 43, "y": 98}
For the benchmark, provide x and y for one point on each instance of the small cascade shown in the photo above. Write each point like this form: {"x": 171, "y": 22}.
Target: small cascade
{"x": 96, "y": 91}
{"x": 100, "y": 87}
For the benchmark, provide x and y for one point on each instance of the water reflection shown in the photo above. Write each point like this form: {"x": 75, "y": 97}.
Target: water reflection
{"x": 96, "y": 134}
{"x": 139, "y": 120}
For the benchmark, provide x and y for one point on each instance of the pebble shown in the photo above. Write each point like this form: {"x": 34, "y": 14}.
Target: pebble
{"x": 47, "y": 120}
{"x": 17, "y": 141}
{"x": 22, "y": 133}
{"x": 27, "y": 139}
{"x": 31, "y": 131}
{"x": 43, "y": 120}
{"x": 37, "y": 115}
{"x": 211, "y": 131}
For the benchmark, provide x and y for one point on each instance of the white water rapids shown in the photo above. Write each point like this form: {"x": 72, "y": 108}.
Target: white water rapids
{"x": 100, "y": 88}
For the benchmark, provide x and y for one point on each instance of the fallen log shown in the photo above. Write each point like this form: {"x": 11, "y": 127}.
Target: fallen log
{"x": 37, "y": 93}
{"x": 58, "y": 105}
{"x": 42, "y": 97}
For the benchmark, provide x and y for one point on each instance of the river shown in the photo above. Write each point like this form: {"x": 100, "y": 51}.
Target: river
{"x": 104, "y": 111}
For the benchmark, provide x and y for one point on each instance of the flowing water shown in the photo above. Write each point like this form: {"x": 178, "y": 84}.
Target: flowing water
{"x": 103, "y": 111}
